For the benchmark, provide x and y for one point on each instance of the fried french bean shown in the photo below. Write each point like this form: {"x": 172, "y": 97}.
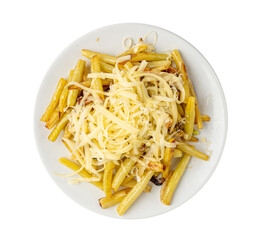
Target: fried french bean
{"x": 103, "y": 57}
{"x": 56, "y": 115}
{"x": 107, "y": 178}
{"x": 83, "y": 173}
{"x": 148, "y": 57}
{"x": 182, "y": 72}
{"x": 205, "y": 118}
{"x": 105, "y": 67}
{"x": 174, "y": 180}
{"x": 116, "y": 198}
{"x": 177, "y": 153}
{"x": 122, "y": 172}
{"x": 132, "y": 183}
{"x": 191, "y": 151}
{"x": 132, "y": 195}
{"x": 60, "y": 125}
{"x": 64, "y": 94}
{"x": 96, "y": 82}
{"x": 167, "y": 160}
{"x": 77, "y": 77}
{"x": 55, "y": 100}
{"x": 190, "y": 117}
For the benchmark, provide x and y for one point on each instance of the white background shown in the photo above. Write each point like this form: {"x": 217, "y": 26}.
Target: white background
{"x": 34, "y": 33}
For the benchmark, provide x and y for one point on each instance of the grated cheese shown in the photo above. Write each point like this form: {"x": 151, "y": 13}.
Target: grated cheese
{"x": 134, "y": 113}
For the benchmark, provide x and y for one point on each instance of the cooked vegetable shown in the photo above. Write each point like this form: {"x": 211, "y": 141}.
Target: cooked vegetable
{"x": 107, "y": 178}
{"x": 125, "y": 120}
{"x": 173, "y": 181}
{"x": 195, "y": 132}
{"x": 103, "y": 57}
{"x": 77, "y": 77}
{"x": 169, "y": 152}
{"x": 56, "y": 115}
{"x": 105, "y": 67}
{"x": 134, "y": 193}
{"x": 148, "y": 57}
{"x": 55, "y": 100}
{"x": 87, "y": 83}
{"x": 60, "y": 125}
{"x": 205, "y": 118}
{"x": 67, "y": 133}
{"x": 177, "y": 153}
{"x": 96, "y": 82}
{"x": 192, "y": 151}
{"x": 64, "y": 94}
{"x": 180, "y": 110}
{"x": 82, "y": 172}
{"x": 183, "y": 72}
{"x": 132, "y": 183}
{"x": 122, "y": 172}
{"x": 116, "y": 198}
{"x": 190, "y": 117}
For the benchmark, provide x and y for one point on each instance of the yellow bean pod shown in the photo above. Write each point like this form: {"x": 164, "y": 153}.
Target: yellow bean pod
{"x": 173, "y": 181}
{"x": 190, "y": 117}
{"x": 116, "y": 198}
{"x": 191, "y": 151}
{"x": 148, "y": 57}
{"x": 195, "y": 132}
{"x": 60, "y": 125}
{"x": 198, "y": 119}
{"x": 122, "y": 172}
{"x": 135, "y": 192}
{"x": 177, "y": 153}
{"x": 83, "y": 173}
{"x": 205, "y": 118}
{"x": 77, "y": 77}
{"x": 97, "y": 82}
{"x": 128, "y": 179}
{"x": 103, "y": 57}
{"x": 67, "y": 133}
{"x": 55, "y": 117}
{"x": 55, "y": 100}
{"x": 140, "y": 48}
{"x": 64, "y": 94}
{"x": 167, "y": 160}
{"x": 105, "y": 67}
{"x": 182, "y": 71}
{"x": 132, "y": 183}
{"x": 180, "y": 110}
{"x": 107, "y": 178}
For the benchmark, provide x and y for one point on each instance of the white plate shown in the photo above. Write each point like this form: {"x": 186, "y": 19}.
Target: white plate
{"x": 211, "y": 102}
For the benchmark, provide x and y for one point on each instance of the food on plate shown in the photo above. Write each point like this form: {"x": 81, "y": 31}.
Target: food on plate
{"x": 127, "y": 120}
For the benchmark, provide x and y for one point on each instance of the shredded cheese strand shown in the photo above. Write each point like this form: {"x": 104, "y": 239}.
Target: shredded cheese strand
{"x": 135, "y": 113}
